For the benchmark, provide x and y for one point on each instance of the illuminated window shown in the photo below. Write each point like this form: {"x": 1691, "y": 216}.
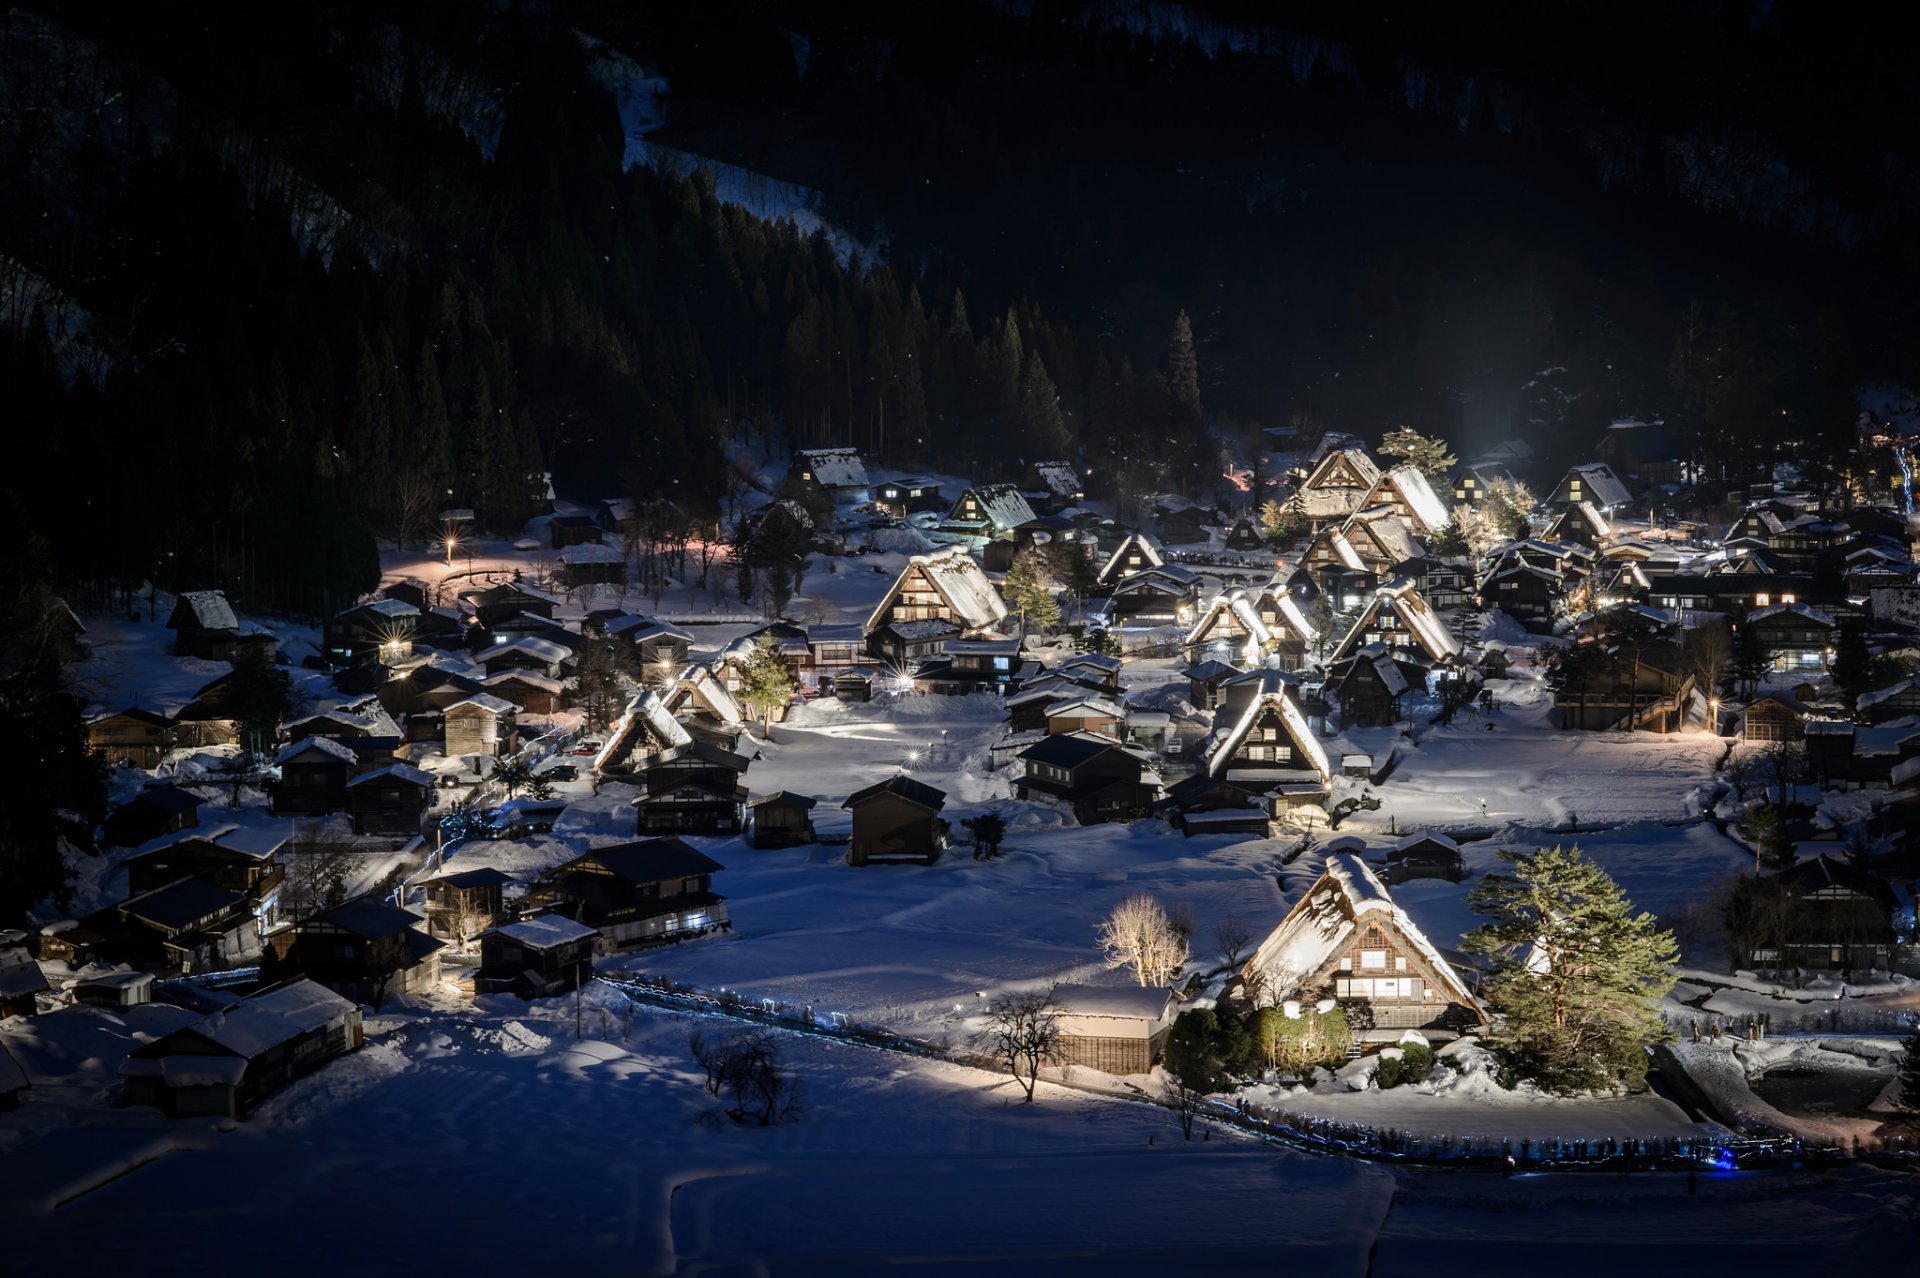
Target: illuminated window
{"x": 1373, "y": 959}
{"x": 1786, "y": 599}
{"x": 1762, "y": 600}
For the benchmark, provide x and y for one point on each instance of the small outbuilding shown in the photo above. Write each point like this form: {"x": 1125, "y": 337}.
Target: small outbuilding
{"x": 536, "y": 958}
{"x": 1121, "y": 1029}
{"x": 780, "y": 820}
{"x": 227, "y": 1063}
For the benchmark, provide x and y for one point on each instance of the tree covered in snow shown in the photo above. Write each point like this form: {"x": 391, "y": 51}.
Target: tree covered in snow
{"x": 1428, "y": 455}
{"x": 1139, "y": 936}
{"x": 1508, "y": 505}
{"x": 1022, "y": 1033}
{"x": 766, "y": 684}
{"x": 1029, "y": 591}
{"x": 1576, "y": 972}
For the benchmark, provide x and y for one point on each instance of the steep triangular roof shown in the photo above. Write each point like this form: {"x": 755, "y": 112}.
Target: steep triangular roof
{"x": 959, "y": 580}
{"x": 1236, "y": 605}
{"x": 1111, "y": 570}
{"x": 696, "y": 689}
{"x": 1408, "y": 484}
{"x": 1417, "y": 618}
{"x": 996, "y": 505}
{"x": 645, "y": 718}
{"x": 1303, "y": 952}
{"x": 1338, "y": 484}
{"x": 1221, "y": 747}
{"x": 834, "y": 467}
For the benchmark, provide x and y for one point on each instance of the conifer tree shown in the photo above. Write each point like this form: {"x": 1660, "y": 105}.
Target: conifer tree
{"x": 1576, "y": 973}
{"x": 1029, "y": 591}
{"x": 1429, "y": 456}
{"x": 1183, "y": 372}
{"x": 766, "y": 684}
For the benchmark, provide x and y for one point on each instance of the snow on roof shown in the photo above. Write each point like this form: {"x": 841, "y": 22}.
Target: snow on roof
{"x": 485, "y": 701}
{"x": 1140, "y": 541}
{"x": 262, "y": 1022}
{"x": 531, "y": 678}
{"x": 959, "y": 580}
{"x": 1083, "y": 706}
{"x": 1061, "y": 478}
{"x": 1339, "y": 903}
{"x": 1001, "y": 505}
{"x": 254, "y": 844}
{"x": 1800, "y": 610}
{"x": 699, "y": 681}
{"x": 1411, "y": 483}
{"x": 210, "y": 610}
{"x": 646, "y": 710}
{"x": 1601, "y": 483}
{"x": 1388, "y": 531}
{"x": 1236, "y": 604}
{"x": 834, "y": 467}
{"x": 931, "y": 628}
{"x": 1132, "y": 1002}
{"x": 325, "y": 745}
{"x": 545, "y": 650}
{"x": 398, "y": 772}
{"x": 548, "y": 931}
{"x": 1224, "y": 746}
{"x": 591, "y": 552}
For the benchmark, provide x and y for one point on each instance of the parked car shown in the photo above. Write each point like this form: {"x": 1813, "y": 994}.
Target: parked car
{"x": 588, "y": 747}
{"x": 561, "y": 772}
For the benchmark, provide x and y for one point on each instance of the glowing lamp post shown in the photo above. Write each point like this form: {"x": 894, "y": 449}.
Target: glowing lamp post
{"x": 451, "y": 543}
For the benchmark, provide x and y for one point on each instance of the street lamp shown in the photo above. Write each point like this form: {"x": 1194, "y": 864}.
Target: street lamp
{"x": 1713, "y": 715}
{"x": 451, "y": 543}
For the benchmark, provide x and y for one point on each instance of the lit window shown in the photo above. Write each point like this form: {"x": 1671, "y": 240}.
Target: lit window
{"x": 1762, "y": 600}
{"x": 1786, "y": 599}
{"x": 1370, "y": 959}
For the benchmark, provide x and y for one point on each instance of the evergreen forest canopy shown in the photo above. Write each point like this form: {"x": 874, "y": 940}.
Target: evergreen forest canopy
{"x": 282, "y": 280}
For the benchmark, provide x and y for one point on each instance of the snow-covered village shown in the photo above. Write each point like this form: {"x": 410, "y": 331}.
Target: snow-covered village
{"x": 923, "y": 823}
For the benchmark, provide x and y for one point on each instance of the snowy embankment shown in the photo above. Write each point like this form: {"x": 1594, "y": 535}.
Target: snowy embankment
{"x": 1726, "y": 1071}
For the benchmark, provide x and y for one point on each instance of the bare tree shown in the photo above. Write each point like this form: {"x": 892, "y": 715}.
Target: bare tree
{"x": 1233, "y": 936}
{"x": 1187, "y": 1102}
{"x": 1022, "y": 1033}
{"x": 1139, "y": 936}
{"x": 747, "y": 1068}
{"x": 1709, "y": 656}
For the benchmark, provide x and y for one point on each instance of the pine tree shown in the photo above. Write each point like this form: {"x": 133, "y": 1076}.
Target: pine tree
{"x": 766, "y": 684}
{"x": 1429, "y": 456}
{"x": 1043, "y": 426}
{"x": 597, "y": 687}
{"x": 1029, "y": 591}
{"x": 1183, "y": 372}
{"x": 1576, "y": 973}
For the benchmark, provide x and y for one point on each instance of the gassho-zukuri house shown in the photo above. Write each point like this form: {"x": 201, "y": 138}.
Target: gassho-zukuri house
{"x": 1346, "y": 939}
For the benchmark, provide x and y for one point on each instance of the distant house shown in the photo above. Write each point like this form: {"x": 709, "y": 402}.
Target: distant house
{"x": 493, "y": 605}
{"x": 975, "y": 665}
{"x": 947, "y": 586}
{"x": 1267, "y": 749}
{"x": 1472, "y": 479}
{"x": 114, "y": 989}
{"x": 536, "y": 958}
{"x": 1370, "y": 687}
{"x": 380, "y": 630}
{"x": 693, "y": 789}
{"x": 1153, "y": 596}
{"x": 1119, "y": 1029}
{"x": 1405, "y": 491}
{"x": 1523, "y": 590}
{"x": 1247, "y": 627}
{"x": 1053, "y": 485}
{"x": 465, "y": 903}
{"x": 857, "y": 684}
{"x": 528, "y": 652}
{"x": 1798, "y": 636}
{"x": 780, "y": 820}
{"x": 1346, "y": 939}
{"x": 1399, "y": 617}
{"x": 644, "y": 729}
{"x": 135, "y": 736}
{"x": 645, "y": 645}
{"x": 1181, "y": 523}
{"x": 390, "y": 800}
{"x": 1895, "y": 701}
{"x": 1581, "y": 522}
{"x": 481, "y": 724}
{"x": 186, "y": 926}
{"x": 572, "y": 530}
{"x": 836, "y": 474}
{"x": 533, "y": 693}
{"x": 1204, "y": 681}
{"x": 156, "y": 810}
{"x": 314, "y": 772}
{"x": 1843, "y": 919}
{"x": 1089, "y": 713}
{"x": 231, "y": 857}
{"x": 897, "y": 820}
{"x": 903, "y": 497}
{"x": 227, "y": 1063}
{"x": 1425, "y": 856}
{"x": 1134, "y": 554}
{"x": 592, "y": 564}
{"x": 1335, "y": 488}
{"x": 1592, "y": 482}
{"x": 988, "y": 510}
{"x": 1640, "y": 452}
{"x": 1101, "y": 779}
{"x": 1649, "y": 693}
{"x": 364, "y": 949}
{"x": 204, "y": 625}
{"x": 652, "y": 892}
{"x": 1778, "y": 716}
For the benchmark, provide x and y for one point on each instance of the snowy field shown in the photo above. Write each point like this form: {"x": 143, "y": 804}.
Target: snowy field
{"x": 489, "y": 1141}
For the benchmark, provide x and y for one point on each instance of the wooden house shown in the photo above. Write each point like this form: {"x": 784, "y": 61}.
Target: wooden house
{"x": 1405, "y": 491}
{"x": 903, "y": 497}
{"x": 1778, "y": 716}
{"x": 117, "y": 990}
{"x": 1027, "y": 709}
{"x": 1649, "y": 694}
{"x": 390, "y": 800}
{"x": 533, "y": 693}
{"x": 988, "y": 511}
{"x": 653, "y": 892}
{"x": 896, "y": 820}
{"x": 380, "y": 630}
{"x": 782, "y": 819}
{"x": 1268, "y": 749}
{"x": 1335, "y": 488}
{"x": 700, "y": 703}
{"x": 1204, "y": 681}
{"x": 1494, "y": 661}
{"x": 1153, "y": 596}
{"x": 490, "y": 607}
{"x": 1528, "y": 593}
{"x": 1895, "y": 701}
{"x": 231, "y": 857}
{"x": 1425, "y": 856}
{"x": 139, "y": 737}
{"x": 462, "y": 905}
{"x": 1592, "y": 482}
{"x": 1229, "y": 630}
{"x": 572, "y": 530}
{"x": 826, "y": 476}
{"x": 856, "y": 685}
{"x": 1091, "y": 713}
{"x": 591, "y": 564}
{"x": 314, "y": 772}
{"x": 975, "y": 665}
{"x": 1371, "y": 686}
{"x": 646, "y": 728}
{"x": 480, "y": 724}
{"x": 1101, "y": 779}
{"x": 224, "y": 1065}
{"x": 1052, "y": 486}
{"x": 1245, "y": 536}
{"x": 1640, "y": 452}
{"x": 1094, "y": 670}
{"x": 1135, "y": 553}
{"x": 527, "y": 652}
{"x": 1346, "y": 939}
{"x": 1798, "y": 636}
{"x": 204, "y": 625}
{"x": 186, "y": 926}
{"x": 1471, "y": 480}
{"x": 1843, "y": 919}
{"x": 692, "y": 789}
{"x": 536, "y": 958}
{"x": 1581, "y": 522}
{"x": 365, "y": 949}
{"x": 947, "y": 586}
{"x": 1399, "y": 617}
{"x": 163, "y": 808}
{"x": 1181, "y": 523}
{"x": 1119, "y": 1029}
